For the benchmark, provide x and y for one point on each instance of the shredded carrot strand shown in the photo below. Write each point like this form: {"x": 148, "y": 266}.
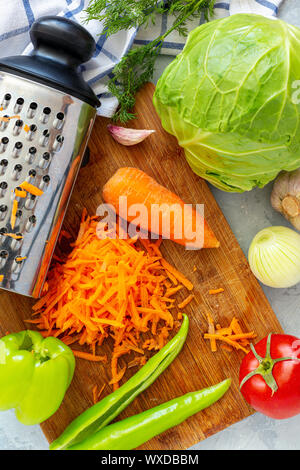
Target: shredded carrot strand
{"x": 95, "y": 394}
{"x": 20, "y": 193}
{"x": 118, "y": 377}
{"x": 89, "y": 357}
{"x": 186, "y": 301}
{"x": 215, "y": 291}
{"x": 13, "y": 214}
{"x": 226, "y": 339}
{"x": 180, "y": 277}
{"x": 30, "y": 188}
{"x": 100, "y": 391}
{"x": 8, "y": 118}
{"x": 13, "y": 235}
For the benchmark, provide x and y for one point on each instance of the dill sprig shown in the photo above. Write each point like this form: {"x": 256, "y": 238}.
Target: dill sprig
{"x": 137, "y": 67}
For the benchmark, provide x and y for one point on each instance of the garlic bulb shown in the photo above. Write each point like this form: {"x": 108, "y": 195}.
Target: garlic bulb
{"x": 285, "y": 197}
{"x": 126, "y": 136}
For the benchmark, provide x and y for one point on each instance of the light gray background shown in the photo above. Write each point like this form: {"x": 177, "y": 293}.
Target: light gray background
{"x": 246, "y": 213}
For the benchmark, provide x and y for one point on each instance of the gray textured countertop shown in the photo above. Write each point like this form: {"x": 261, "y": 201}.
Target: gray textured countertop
{"x": 256, "y": 432}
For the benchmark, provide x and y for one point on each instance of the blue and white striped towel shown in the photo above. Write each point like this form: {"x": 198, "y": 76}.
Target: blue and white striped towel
{"x": 17, "y": 16}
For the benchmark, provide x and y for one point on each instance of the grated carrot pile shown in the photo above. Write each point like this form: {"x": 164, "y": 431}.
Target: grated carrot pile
{"x": 109, "y": 287}
{"x": 232, "y": 336}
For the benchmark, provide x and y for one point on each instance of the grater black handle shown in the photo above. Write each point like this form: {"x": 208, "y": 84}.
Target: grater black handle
{"x": 60, "y": 47}
{"x": 62, "y": 40}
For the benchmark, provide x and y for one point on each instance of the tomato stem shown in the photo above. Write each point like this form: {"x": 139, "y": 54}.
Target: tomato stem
{"x": 266, "y": 364}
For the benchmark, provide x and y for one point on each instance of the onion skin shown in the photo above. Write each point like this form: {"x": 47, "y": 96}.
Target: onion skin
{"x": 274, "y": 257}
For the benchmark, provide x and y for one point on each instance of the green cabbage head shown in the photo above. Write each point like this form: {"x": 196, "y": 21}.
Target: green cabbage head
{"x": 231, "y": 100}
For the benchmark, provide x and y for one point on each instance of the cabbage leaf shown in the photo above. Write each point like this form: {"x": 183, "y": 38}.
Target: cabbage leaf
{"x": 229, "y": 100}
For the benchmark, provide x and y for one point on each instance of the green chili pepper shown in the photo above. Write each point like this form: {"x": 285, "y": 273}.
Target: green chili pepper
{"x": 35, "y": 373}
{"x": 99, "y": 415}
{"x": 134, "y": 431}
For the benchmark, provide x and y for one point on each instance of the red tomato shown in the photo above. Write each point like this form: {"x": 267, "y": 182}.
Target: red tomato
{"x": 284, "y": 401}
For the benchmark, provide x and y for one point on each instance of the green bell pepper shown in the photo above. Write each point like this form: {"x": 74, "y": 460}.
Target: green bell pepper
{"x": 35, "y": 373}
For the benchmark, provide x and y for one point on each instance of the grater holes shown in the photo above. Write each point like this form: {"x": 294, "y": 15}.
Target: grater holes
{"x": 31, "y": 132}
{"x": 3, "y": 166}
{"x": 17, "y": 149}
{"x": 3, "y": 232}
{"x": 18, "y": 105}
{"x": 31, "y": 112}
{"x": 45, "y": 115}
{"x": 3, "y": 257}
{"x": 58, "y": 143}
{"x": 15, "y": 243}
{"x": 30, "y": 154}
{"x": 30, "y": 223}
{"x": 44, "y": 182}
{"x": 18, "y": 127}
{"x": 31, "y": 175}
{"x": 45, "y": 160}
{"x": 3, "y": 144}
{"x": 4, "y": 123}
{"x": 17, "y": 171}
{"x": 13, "y": 194}
{"x": 3, "y": 188}
{"x": 17, "y": 264}
{"x": 3, "y": 211}
{"x": 30, "y": 201}
{"x": 44, "y": 139}
{"x": 59, "y": 120}
{"x": 18, "y": 216}
{"x": 6, "y": 100}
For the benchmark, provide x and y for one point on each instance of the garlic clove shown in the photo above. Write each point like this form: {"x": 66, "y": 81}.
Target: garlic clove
{"x": 285, "y": 197}
{"x": 126, "y": 136}
{"x": 290, "y": 206}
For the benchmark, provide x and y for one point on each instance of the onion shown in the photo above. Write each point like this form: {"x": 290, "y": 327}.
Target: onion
{"x": 274, "y": 256}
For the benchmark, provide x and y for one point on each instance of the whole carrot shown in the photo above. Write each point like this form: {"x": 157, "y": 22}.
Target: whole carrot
{"x": 160, "y": 211}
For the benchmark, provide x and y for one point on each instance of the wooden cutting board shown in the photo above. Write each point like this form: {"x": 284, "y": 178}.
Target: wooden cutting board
{"x": 196, "y": 367}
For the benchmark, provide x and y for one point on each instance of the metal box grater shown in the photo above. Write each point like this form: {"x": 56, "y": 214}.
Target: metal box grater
{"x": 48, "y": 112}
